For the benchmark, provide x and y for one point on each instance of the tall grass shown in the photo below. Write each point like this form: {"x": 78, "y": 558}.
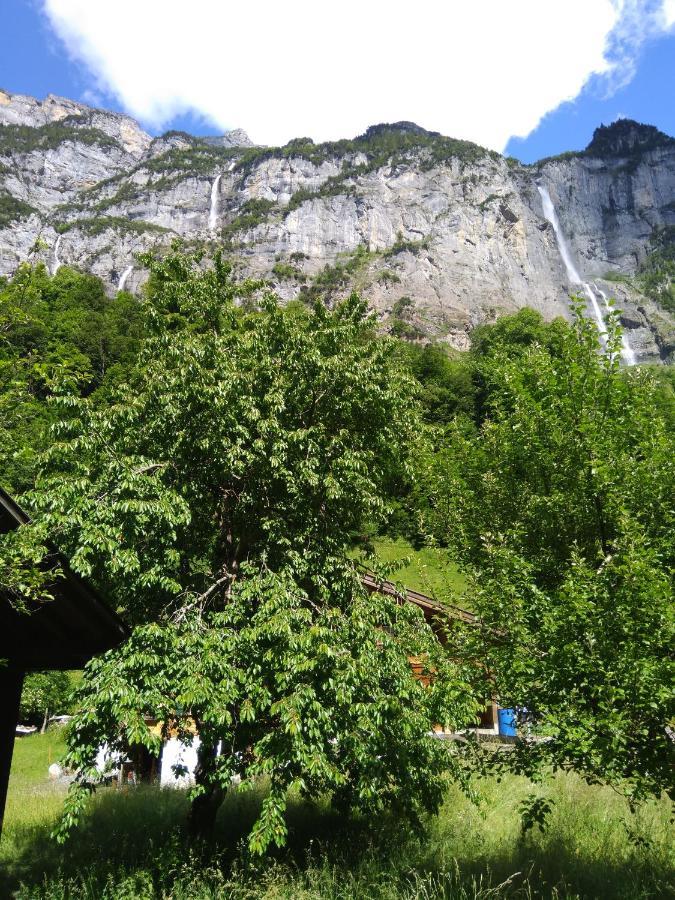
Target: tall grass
{"x": 132, "y": 844}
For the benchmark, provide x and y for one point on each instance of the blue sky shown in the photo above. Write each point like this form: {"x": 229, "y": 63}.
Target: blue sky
{"x": 33, "y": 60}
{"x": 649, "y": 97}
{"x": 60, "y": 47}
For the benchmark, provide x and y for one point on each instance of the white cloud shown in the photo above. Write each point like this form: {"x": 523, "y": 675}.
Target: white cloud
{"x": 668, "y": 13}
{"x": 485, "y": 70}
{"x": 92, "y": 98}
{"x": 637, "y": 22}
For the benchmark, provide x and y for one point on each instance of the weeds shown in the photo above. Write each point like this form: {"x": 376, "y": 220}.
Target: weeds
{"x": 133, "y": 845}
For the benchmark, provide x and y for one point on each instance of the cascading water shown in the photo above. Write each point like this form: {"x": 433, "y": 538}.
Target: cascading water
{"x": 574, "y": 276}
{"x": 57, "y": 261}
{"x": 597, "y": 312}
{"x": 123, "y": 277}
{"x": 213, "y": 211}
{"x": 626, "y": 350}
{"x": 551, "y": 215}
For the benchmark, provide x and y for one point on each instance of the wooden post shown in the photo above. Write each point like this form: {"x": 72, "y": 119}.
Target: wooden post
{"x": 11, "y": 682}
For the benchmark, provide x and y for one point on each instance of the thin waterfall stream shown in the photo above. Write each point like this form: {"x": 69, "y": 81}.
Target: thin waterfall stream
{"x": 551, "y": 216}
{"x": 213, "y": 211}
{"x": 123, "y": 277}
{"x": 626, "y": 350}
{"x": 57, "y": 261}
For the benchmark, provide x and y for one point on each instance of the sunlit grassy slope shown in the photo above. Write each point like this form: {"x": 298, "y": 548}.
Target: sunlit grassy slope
{"x": 32, "y": 797}
{"x": 429, "y": 570}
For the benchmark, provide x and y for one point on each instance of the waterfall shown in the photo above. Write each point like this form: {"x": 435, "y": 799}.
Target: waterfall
{"x": 574, "y": 276}
{"x": 597, "y": 312}
{"x": 551, "y": 215}
{"x": 57, "y": 261}
{"x": 123, "y": 277}
{"x": 627, "y": 351}
{"x": 213, "y": 212}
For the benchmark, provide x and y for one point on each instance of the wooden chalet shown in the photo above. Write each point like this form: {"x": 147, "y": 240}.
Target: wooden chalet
{"x": 438, "y": 617}
{"x": 59, "y": 633}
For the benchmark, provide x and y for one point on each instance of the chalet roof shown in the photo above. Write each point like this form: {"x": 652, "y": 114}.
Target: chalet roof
{"x": 427, "y": 604}
{"x": 62, "y": 633}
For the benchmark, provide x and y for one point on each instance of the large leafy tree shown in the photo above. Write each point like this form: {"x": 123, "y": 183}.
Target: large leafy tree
{"x": 560, "y": 505}
{"x": 44, "y": 693}
{"x": 212, "y": 499}
{"x": 58, "y": 334}
{"x": 54, "y": 331}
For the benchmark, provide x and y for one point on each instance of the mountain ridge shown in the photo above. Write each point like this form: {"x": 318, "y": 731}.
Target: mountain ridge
{"x": 439, "y": 234}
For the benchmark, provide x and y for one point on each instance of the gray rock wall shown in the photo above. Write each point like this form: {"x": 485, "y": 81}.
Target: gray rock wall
{"x": 438, "y": 246}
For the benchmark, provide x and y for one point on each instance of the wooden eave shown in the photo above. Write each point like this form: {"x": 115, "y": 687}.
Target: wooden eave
{"x": 427, "y": 604}
{"x": 59, "y": 633}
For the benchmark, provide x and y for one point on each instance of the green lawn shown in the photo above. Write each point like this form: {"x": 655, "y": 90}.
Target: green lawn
{"x": 33, "y": 755}
{"x": 132, "y": 846}
{"x": 32, "y": 795}
{"x": 429, "y": 570}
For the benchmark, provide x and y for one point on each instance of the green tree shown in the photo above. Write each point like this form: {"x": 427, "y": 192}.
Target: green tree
{"x": 446, "y": 383}
{"x": 55, "y": 331}
{"x": 560, "y": 507}
{"x": 212, "y": 500}
{"x": 657, "y": 272}
{"x": 44, "y": 693}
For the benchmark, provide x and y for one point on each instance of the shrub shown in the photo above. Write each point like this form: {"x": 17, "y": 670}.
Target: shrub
{"x": 333, "y": 278}
{"x": 388, "y": 277}
{"x": 657, "y": 273}
{"x": 284, "y": 272}
{"x": 98, "y": 224}
{"x": 26, "y": 138}
{"x": 401, "y": 306}
{"x": 382, "y": 145}
{"x": 401, "y": 245}
{"x": 12, "y": 209}
{"x": 251, "y": 213}
{"x": 401, "y": 329}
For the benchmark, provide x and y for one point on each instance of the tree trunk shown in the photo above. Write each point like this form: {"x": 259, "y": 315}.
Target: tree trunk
{"x": 203, "y": 812}
{"x": 205, "y": 807}
{"x": 45, "y": 721}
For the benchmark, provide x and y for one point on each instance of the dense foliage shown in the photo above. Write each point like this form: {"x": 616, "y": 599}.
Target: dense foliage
{"x": 28, "y": 138}
{"x": 44, "y": 694}
{"x": 96, "y": 225}
{"x": 206, "y": 458}
{"x": 12, "y": 209}
{"x": 626, "y": 138}
{"x": 657, "y": 273}
{"x": 55, "y": 332}
{"x": 558, "y": 500}
{"x": 386, "y": 144}
{"x": 623, "y": 139}
{"x": 212, "y": 498}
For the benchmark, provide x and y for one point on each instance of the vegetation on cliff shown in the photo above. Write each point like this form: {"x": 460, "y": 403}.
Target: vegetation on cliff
{"x": 12, "y": 209}
{"x": 657, "y": 274}
{"x": 28, "y": 138}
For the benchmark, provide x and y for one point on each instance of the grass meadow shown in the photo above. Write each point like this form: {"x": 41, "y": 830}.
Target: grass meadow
{"x": 132, "y": 844}
{"x": 429, "y": 570}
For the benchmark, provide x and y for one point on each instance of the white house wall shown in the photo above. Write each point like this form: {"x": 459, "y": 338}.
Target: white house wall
{"x": 176, "y": 753}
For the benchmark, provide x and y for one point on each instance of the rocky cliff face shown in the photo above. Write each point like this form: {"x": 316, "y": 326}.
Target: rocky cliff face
{"x": 439, "y": 235}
